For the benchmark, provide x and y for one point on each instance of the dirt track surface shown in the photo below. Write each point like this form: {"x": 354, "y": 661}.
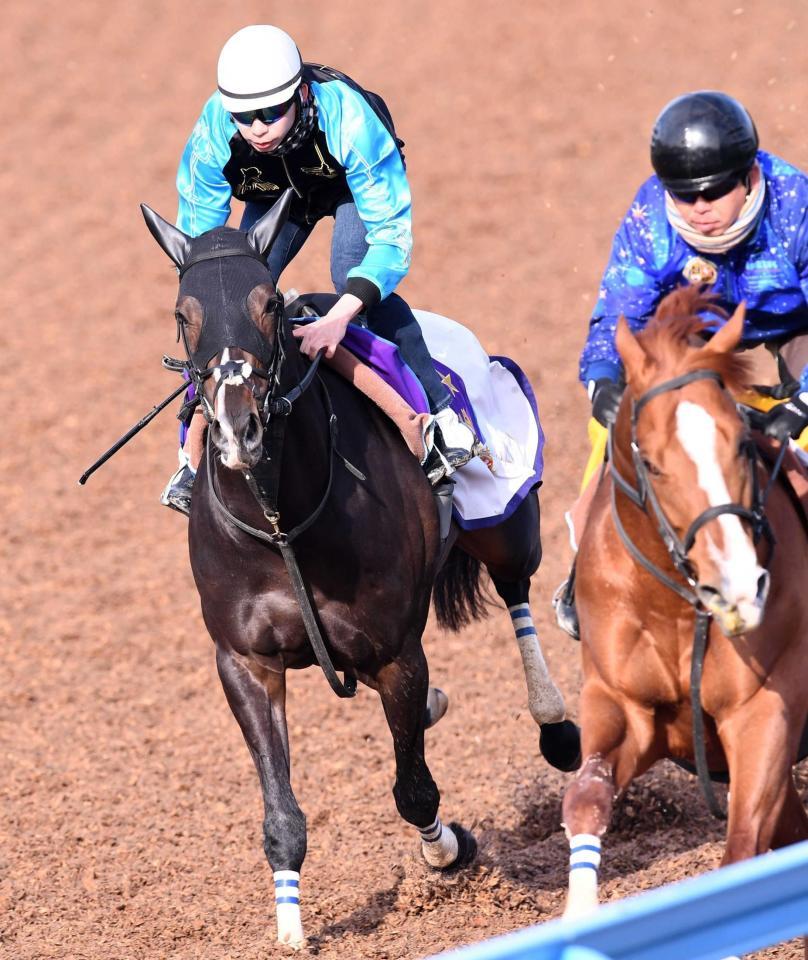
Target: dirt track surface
{"x": 130, "y": 814}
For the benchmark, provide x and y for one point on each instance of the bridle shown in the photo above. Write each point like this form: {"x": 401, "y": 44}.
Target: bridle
{"x": 679, "y": 547}
{"x": 242, "y": 371}
{"x": 264, "y": 480}
{"x": 644, "y": 494}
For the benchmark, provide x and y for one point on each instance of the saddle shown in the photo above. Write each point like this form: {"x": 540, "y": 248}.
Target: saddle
{"x": 412, "y": 425}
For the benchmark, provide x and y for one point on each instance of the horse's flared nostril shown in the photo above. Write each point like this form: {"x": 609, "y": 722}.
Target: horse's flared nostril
{"x": 763, "y": 587}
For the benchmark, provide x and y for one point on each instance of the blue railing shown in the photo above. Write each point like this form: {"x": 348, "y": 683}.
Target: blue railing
{"x": 735, "y": 910}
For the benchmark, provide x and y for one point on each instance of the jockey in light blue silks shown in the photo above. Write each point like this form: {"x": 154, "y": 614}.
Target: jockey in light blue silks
{"x": 717, "y": 211}
{"x": 275, "y": 123}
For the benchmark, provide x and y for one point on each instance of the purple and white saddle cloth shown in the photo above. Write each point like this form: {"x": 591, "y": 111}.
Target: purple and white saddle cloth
{"x": 490, "y": 393}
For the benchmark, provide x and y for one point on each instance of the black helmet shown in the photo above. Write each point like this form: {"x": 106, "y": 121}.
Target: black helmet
{"x": 702, "y": 140}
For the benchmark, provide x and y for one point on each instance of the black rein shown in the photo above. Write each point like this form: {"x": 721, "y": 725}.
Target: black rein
{"x": 678, "y": 549}
{"x": 275, "y": 411}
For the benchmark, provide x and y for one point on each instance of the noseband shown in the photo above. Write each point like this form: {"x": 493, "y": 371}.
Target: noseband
{"x": 643, "y": 494}
{"x": 679, "y": 548}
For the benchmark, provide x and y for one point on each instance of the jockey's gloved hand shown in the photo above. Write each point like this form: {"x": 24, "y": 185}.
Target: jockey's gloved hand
{"x": 780, "y": 391}
{"x": 605, "y": 395}
{"x": 788, "y": 419}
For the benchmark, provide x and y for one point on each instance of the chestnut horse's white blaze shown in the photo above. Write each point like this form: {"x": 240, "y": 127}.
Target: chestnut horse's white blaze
{"x": 741, "y": 574}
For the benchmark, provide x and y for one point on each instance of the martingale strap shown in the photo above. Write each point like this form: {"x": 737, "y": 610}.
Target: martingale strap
{"x": 277, "y": 539}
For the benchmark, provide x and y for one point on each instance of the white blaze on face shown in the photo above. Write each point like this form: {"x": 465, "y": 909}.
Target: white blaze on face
{"x": 737, "y": 563}
{"x": 231, "y": 458}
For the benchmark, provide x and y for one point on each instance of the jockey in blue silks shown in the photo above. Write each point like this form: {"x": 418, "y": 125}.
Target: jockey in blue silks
{"x": 717, "y": 211}
{"x": 274, "y": 123}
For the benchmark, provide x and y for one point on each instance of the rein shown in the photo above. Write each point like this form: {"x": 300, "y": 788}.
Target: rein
{"x": 679, "y": 548}
{"x": 264, "y": 486}
{"x": 268, "y": 502}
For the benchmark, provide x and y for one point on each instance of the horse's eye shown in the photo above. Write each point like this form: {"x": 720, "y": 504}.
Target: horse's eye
{"x": 178, "y": 316}
{"x": 652, "y": 468}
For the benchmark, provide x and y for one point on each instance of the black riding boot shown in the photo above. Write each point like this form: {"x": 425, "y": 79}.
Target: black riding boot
{"x": 564, "y": 606}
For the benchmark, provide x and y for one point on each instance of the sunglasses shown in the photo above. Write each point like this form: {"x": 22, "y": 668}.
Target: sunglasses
{"x": 267, "y": 115}
{"x": 714, "y": 193}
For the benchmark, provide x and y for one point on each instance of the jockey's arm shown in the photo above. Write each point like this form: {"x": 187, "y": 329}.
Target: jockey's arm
{"x": 790, "y": 419}
{"x": 204, "y": 193}
{"x": 631, "y": 286}
{"x": 358, "y": 139}
{"x": 327, "y": 332}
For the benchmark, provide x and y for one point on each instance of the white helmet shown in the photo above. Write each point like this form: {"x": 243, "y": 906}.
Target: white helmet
{"x": 259, "y": 66}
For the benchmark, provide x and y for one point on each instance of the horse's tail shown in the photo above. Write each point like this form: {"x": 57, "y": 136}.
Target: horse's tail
{"x": 458, "y": 596}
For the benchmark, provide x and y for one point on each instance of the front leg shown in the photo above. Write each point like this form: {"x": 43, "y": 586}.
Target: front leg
{"x": 257, "y": 697}
{"x": 617, "y": 744}
{"x": 402, "y": 686}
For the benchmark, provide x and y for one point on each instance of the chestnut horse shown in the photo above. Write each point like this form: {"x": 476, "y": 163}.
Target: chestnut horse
{"x": 311, "y": 546}
{"x": 677, "y": 533}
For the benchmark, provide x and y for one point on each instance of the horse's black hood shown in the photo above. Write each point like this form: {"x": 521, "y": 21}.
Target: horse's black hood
{"x": 220, "y": 272}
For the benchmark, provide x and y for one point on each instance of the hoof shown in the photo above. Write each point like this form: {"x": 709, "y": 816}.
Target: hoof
{"x": 437, "y": 703}
{"x": 293, "y": 941}
{"x": 561, "y": 745}
{"x": 466, "y": 848}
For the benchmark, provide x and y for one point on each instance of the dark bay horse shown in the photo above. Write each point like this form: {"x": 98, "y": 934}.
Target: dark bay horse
{"x": 683, "y": 499}
{"x": 311, "y": 544}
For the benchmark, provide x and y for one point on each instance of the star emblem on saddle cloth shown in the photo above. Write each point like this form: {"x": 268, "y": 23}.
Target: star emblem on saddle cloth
{"x": 447, "y": 382}
{"x": 697, "y": 270}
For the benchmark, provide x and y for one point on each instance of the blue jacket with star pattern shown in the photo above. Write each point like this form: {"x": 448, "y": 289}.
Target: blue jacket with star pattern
{"x": 649, "y": 258}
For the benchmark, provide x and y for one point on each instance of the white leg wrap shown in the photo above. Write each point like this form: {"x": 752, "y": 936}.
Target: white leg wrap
{"x": 582, "y": 897}
{"x": 287, "y": 907}
{"x": 544, "y": 699}
{"x": 438, "y": 845}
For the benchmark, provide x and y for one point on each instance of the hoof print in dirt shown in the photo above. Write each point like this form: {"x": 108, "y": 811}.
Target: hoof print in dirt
{"x": 466, "y": 848}
{"x": 560, "y": 743}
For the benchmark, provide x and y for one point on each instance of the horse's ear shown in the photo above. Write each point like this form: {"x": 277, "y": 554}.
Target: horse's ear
{"x": 173, "y": 241}
{"x": 728, "y": 337}
{"x": 262, "y": 234}
{"x": 634, "y": 358}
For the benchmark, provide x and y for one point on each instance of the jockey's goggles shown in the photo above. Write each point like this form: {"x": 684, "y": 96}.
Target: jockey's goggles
{"x": 711, "y": 194}
{"x": 268, "y": 115}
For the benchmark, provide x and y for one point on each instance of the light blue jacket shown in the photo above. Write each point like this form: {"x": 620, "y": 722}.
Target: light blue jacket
{"x": 357, "y": 140}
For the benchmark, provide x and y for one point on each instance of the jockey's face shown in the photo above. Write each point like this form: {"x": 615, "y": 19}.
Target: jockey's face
{"x": 264, "y": 137}
{"x": 714, "y": 217}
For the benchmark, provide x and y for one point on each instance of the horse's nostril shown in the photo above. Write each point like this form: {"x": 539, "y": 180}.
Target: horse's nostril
{"x": 252, "y": 435}
{"x": 762, "y": 587}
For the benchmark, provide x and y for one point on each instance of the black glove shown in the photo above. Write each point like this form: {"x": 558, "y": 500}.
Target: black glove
{"x": 788, "y": 419}
{"x": 780, "y": 391}
{"x": 606, "y": 400}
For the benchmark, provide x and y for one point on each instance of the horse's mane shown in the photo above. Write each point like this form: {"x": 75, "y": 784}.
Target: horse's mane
{"x": 674, "y": 338}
